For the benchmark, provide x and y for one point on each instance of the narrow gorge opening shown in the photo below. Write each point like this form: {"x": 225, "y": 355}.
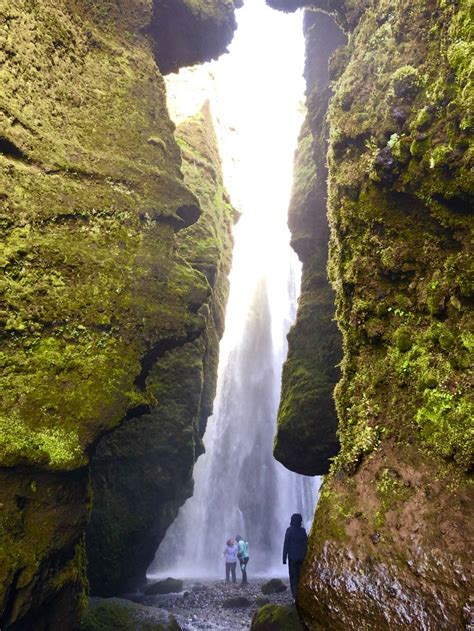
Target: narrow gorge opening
{"x": 256, "y": 95}
{"x": 118, "y": 233}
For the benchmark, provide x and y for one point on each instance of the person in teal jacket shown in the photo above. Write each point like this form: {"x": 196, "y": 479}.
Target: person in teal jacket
{"x": 243, "y": 556}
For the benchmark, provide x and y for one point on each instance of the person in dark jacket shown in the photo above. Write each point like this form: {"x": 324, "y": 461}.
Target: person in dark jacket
{"x": 294, "y": 549}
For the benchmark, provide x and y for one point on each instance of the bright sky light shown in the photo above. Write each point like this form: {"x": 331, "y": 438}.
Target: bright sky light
{"x": 256, "y": 92}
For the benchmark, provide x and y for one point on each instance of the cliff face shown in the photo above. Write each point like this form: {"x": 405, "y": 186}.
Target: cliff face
{"x": 96, "y": 288}
{"x": 307, "y": 421}
{"x": 155, "y": 448}
{"x": 389, "y": 545}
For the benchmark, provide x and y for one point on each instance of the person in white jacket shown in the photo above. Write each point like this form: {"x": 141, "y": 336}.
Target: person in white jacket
{"x": 230, "y": 556}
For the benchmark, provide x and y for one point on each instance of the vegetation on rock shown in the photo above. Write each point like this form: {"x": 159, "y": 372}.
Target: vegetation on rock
{"x": 400, "y": 191}
{"x": 276, "y": 618}
{"x": 306, "y": 436}
{"x": 94, "y": 287}
{"x": 111, "y": 614}
{"x": 156, "y": 446}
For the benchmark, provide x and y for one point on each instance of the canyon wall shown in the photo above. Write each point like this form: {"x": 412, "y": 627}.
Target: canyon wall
{"x": 141, "y": 471}
{"x": 109, "y": 290}
{"x": 307, "y": 421}
{"x": 389, "y": 547}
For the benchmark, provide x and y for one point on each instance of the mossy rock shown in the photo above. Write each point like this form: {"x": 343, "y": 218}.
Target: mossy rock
{"x": 112, "y": 614}
{"x": 276, "y": 618}
{"x": 93, "y": 285}
{"x": 399, "y": 197}
{"x": 155, "y": 449}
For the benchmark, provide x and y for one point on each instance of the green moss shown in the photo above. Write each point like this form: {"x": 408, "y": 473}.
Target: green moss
{"x": 359, "y": 432}
{"x": 406, "y": 82}
{"x": 334, "y": 511}
{"x": 403, "y": 338}
{"x": 55, "y": 447}
{"x": 276, "y": 618}
{"x": 115, "y": 613}
{"x": 445, "y": 421}
{"x": 156, "y": 450}
{"x": 390, "y": 490}
{"x": 424, "y": 118}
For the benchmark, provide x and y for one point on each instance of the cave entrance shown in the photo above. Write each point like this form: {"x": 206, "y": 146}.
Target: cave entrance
{"x": 256, "y": 95}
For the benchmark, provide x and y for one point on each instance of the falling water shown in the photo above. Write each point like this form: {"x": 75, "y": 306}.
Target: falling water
{"x": 239, "y": 487}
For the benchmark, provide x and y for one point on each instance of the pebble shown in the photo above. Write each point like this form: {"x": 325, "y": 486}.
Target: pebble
{"x": 203, "y": 608}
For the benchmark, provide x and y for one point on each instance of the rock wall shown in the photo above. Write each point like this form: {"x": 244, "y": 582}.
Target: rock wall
{"x": 96, "y": 288}
{"x": 389, "y": 548}
{"x": 307, "y": 422}
{"x": 155, "y": 448}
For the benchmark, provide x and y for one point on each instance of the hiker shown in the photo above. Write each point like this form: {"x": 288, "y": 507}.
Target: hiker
{"x": 230, "y": 556}
{"x": 294, "y": 548}
{"x": 243, "y": 556}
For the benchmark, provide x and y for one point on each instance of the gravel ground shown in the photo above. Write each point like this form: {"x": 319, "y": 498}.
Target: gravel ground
{"x": 200, "y": 604}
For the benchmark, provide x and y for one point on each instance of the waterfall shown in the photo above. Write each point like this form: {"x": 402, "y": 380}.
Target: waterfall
{"x": 239, "y": 488}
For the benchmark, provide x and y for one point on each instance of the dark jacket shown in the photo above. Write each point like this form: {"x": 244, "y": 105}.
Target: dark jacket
{"x": 295, "y": 543}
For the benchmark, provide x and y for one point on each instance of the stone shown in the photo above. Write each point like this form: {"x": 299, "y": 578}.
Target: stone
{"x": 156, "y": 447}
{"x": 239, "y": 602}
{"x": 111, "y": 614}
{"x": 276, "y": 618}
{"x": 168, "y": 586}
{"x": 400, "y": 184}
{"x": 261, "y": 601}
{"x": 274, "y": 586}
{"x": 306, "y": 438}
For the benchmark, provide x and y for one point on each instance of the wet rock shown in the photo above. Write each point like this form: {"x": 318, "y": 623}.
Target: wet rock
{"x": 276, "y": 618}
{"x": 207, "y": 605}
{"x": 236, "y": 603}
{"x": 109, "y": 614}
{"x": 206, "y": 28}
{"x": 306, "y": 437}
{"x": 168, "y": 586}
{"x": 117, "y": 208}
{"x": 274, "y": 586}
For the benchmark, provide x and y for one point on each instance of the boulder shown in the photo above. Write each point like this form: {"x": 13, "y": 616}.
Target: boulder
{"x": 276, "y": 618}
{"x": 274, "y": 586}
{"x": 168, "y": 586}
{"x": 239, "y": 602}
{"x": 109, "y": 614}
